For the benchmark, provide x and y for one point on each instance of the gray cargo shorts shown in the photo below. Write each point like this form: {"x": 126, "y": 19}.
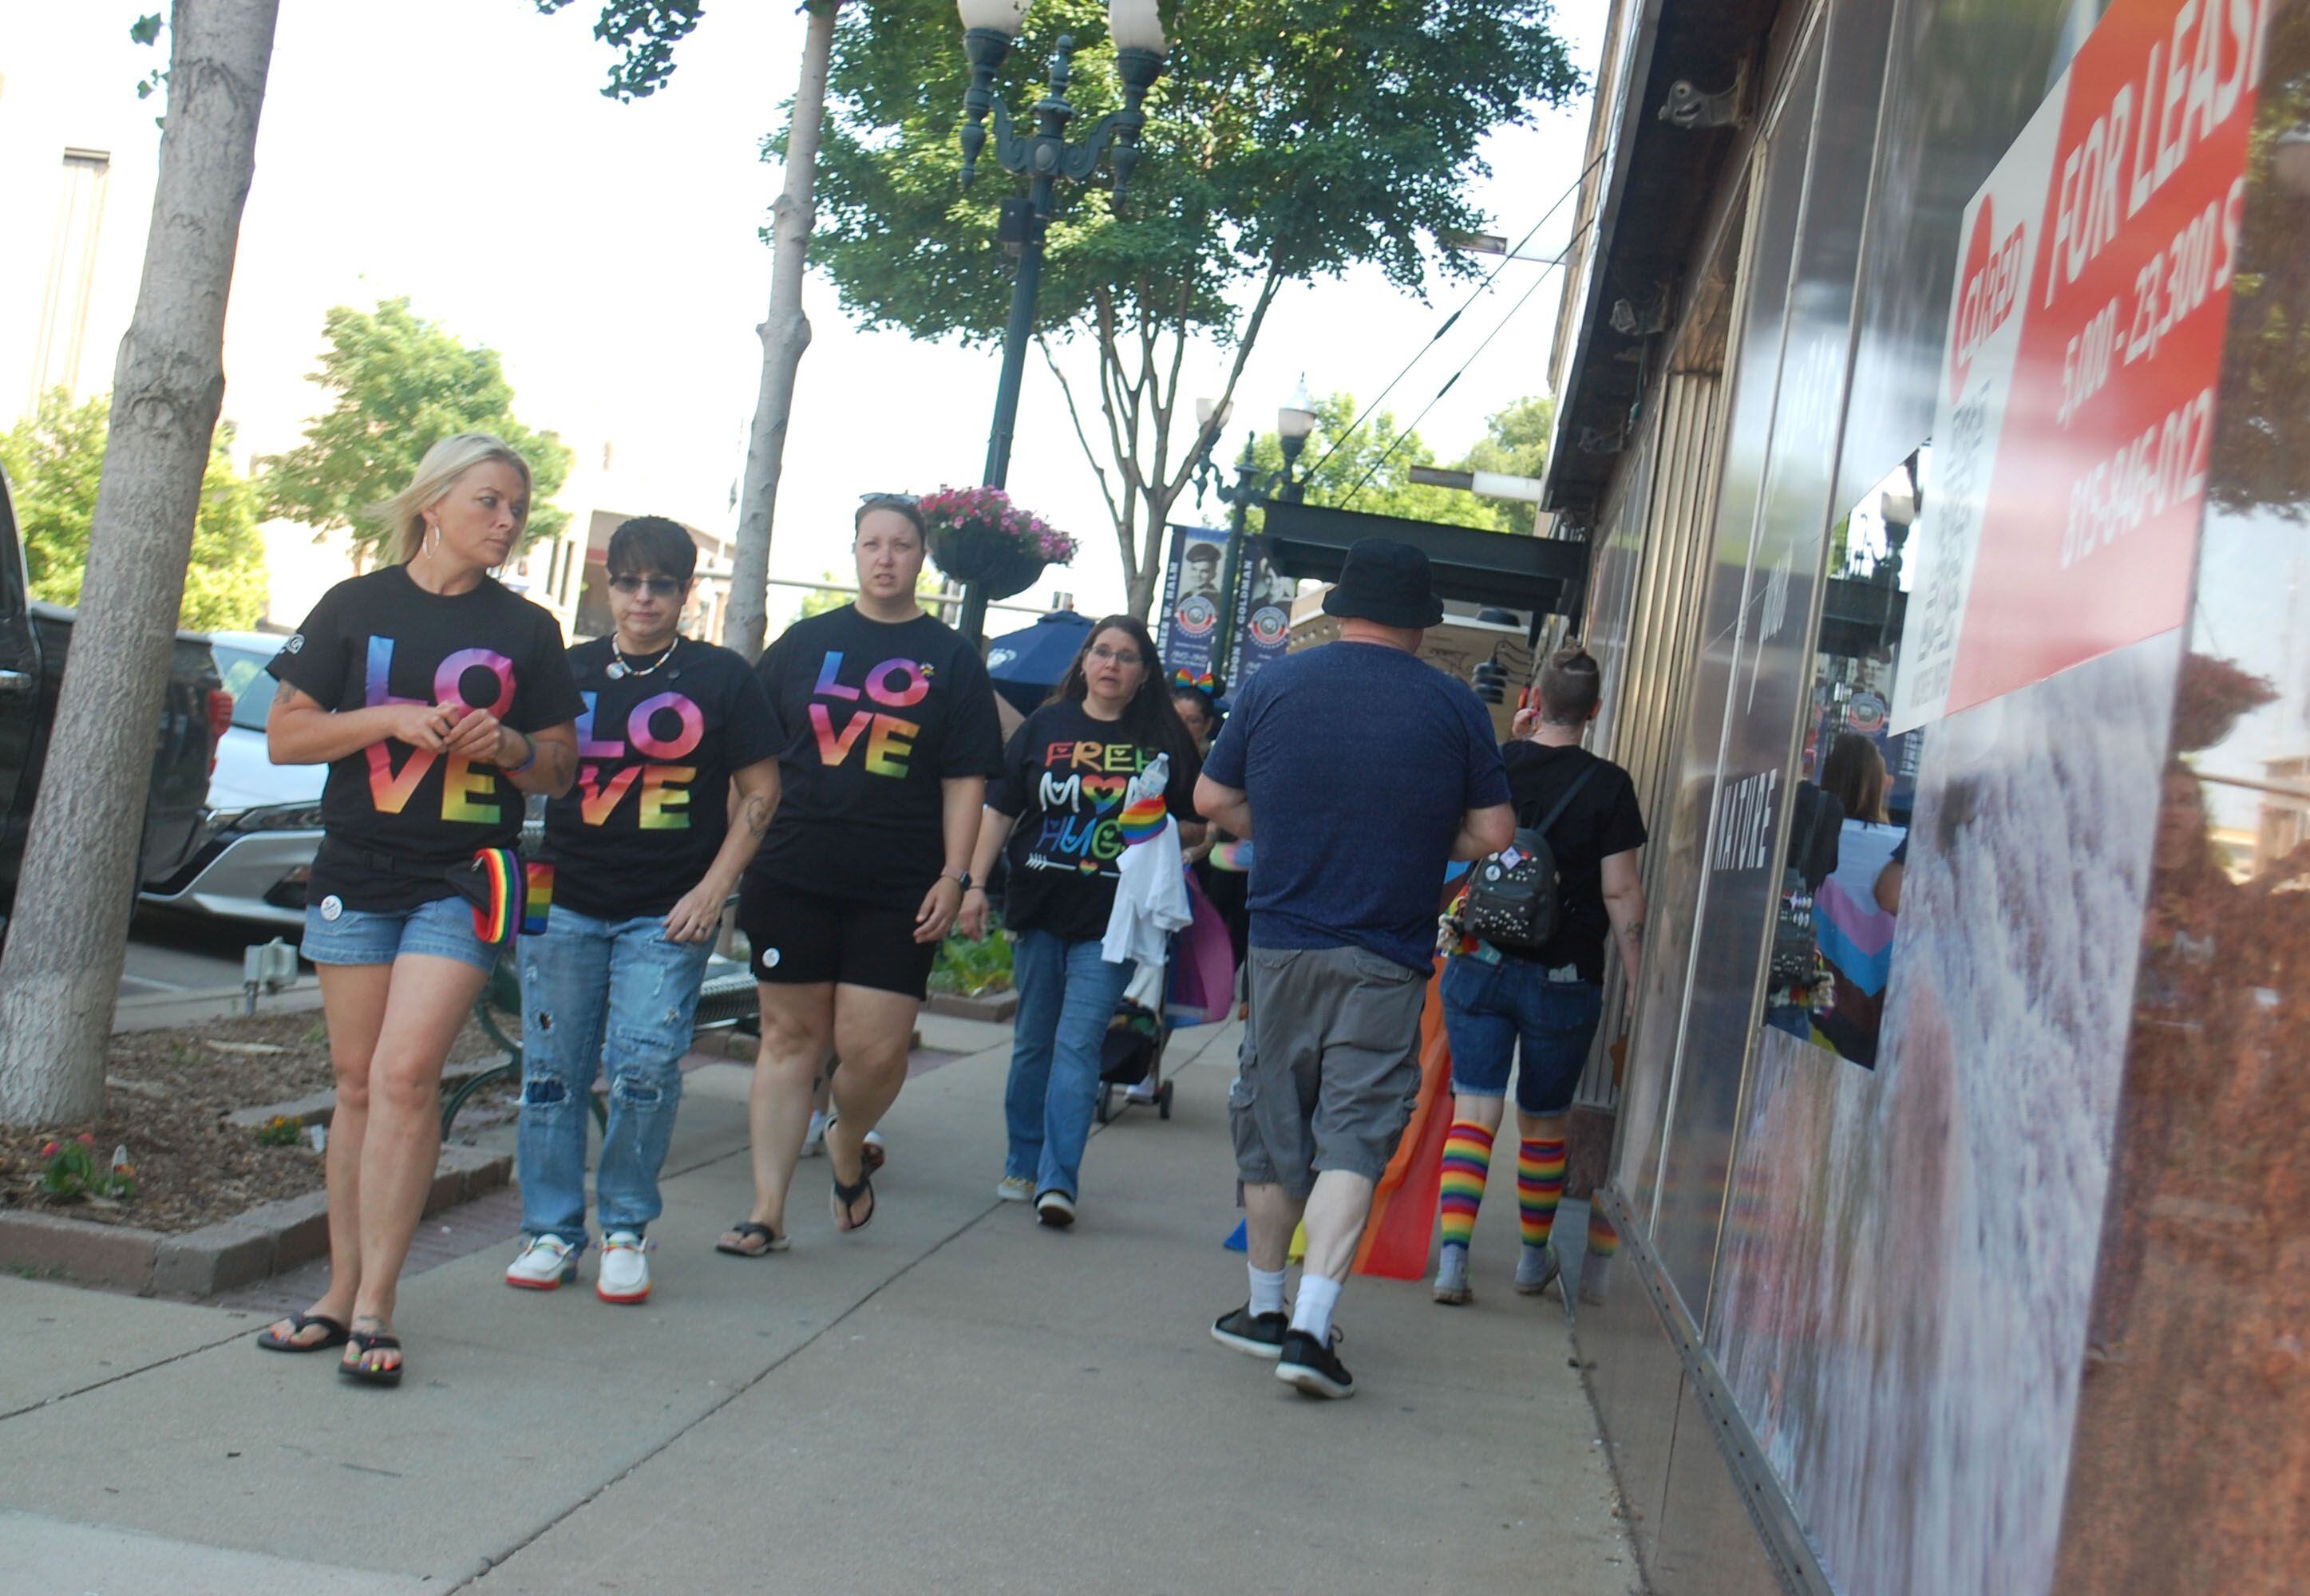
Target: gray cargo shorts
{"x": 1330, "y": 1067}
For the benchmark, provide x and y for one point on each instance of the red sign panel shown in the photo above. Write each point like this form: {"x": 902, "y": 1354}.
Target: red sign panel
{"x": 2085, "y": 342}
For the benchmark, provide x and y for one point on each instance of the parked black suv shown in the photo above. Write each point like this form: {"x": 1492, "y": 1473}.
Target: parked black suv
{"x": 33, "y": 638}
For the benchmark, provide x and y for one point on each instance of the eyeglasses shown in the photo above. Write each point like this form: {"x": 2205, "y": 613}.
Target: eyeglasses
{"x": 659, "y": 586}
{"x": 904, "y": 498}
{"x": 1109, "y": 656}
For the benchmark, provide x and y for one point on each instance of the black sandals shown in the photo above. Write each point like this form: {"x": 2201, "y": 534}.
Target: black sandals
{"x": 299, "y": 1324}
{"x": 746, "y": 1231}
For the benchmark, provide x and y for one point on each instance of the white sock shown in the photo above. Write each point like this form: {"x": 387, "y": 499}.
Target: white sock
{"x": 1313, "y": 1311}
{"x": 1266, "y": 1290}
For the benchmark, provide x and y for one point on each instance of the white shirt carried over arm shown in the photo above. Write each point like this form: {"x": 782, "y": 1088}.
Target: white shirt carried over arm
{"x": 1151, "y": 899}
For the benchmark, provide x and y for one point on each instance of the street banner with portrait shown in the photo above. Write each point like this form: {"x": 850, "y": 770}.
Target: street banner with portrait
{"x": 2084, "y": 345}
{"x": 1262, "y": 614}
{"x": 1188, "y": 626}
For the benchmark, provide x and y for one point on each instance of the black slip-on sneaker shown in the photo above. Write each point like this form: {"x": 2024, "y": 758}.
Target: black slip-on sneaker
{"x": 1311, "y": 1368}
{"x": 1259, "y": 1334}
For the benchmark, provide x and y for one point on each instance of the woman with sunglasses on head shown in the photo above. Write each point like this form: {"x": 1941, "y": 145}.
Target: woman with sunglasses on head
{"x": 1059, "y": 806}
{"x": 437, "y": 698}
{"x": 890, "y": 736}
{"x": 677, "y": 780}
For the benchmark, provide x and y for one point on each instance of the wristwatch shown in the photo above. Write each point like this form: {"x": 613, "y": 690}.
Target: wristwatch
{"x": 959, "y": 877}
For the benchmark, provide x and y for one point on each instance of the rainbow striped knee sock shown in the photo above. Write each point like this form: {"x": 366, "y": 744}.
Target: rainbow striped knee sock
{"x": 1540, "y": 1186}
{"x": 1467, "y": 1160}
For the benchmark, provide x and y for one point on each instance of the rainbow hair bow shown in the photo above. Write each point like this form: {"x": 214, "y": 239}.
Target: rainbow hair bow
{"x": 1200, "y": 682}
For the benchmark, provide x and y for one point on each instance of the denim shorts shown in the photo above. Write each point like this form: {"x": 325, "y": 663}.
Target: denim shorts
{"x": 443, "y": 929}
{"x": 1491, "y": 1007}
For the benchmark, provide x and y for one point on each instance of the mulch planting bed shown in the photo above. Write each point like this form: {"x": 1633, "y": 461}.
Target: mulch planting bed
{"x": 168, "y": 1092}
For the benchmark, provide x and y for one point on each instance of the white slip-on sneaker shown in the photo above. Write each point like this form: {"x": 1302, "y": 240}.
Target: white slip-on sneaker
{"x": 1056, "y": 1209}
{"x": 624, "y": 1274}
{"x": 1015, "y": 1188}
{"x": 547, "y": 1261}
{"x": 814, "y": 1141}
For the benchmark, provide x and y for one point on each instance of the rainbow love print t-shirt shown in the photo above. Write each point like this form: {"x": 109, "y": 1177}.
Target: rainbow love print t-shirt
{"x": 878, "y": 716}
{"x": 382, "y": 639}
{"x": 1064, "y": 776}
{"x": 651, "y": 805}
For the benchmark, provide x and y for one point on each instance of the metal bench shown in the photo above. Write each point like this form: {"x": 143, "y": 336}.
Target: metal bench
{"x": 726, "y": 997}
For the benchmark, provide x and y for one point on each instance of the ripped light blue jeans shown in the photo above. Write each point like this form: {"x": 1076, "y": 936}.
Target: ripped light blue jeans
{"x": 596, "y": 992}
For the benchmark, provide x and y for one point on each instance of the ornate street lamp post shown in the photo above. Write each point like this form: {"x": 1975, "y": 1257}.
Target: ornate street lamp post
{"x": 990, "y": 26}
{"x": 1293, "y": 422}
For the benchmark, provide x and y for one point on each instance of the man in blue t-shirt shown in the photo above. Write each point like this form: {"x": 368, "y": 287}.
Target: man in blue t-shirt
{"x": 1367, "y": 769}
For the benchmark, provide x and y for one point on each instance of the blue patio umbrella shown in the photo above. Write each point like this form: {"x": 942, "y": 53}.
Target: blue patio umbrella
{"x": 1027, "y": 665}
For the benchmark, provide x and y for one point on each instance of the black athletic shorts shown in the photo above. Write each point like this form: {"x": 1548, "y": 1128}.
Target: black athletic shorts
{"x": 802, "y": 938}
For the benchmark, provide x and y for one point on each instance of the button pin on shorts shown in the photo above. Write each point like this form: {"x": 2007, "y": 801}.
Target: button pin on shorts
{"x": 769, "y": 958}
{"x": 332, "y": 907}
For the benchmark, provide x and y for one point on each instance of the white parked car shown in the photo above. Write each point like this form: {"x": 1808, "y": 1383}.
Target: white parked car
{"x": 263, "y": 822}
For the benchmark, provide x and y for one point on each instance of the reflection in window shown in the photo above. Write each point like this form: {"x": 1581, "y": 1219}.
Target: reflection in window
{"x": 1848, "y": 829}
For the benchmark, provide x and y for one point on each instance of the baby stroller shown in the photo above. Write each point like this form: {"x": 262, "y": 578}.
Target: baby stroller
{"x": 1131, "y": 1062}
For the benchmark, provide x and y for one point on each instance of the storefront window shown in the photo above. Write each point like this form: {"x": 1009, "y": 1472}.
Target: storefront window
{"x": 1848, "y": 832}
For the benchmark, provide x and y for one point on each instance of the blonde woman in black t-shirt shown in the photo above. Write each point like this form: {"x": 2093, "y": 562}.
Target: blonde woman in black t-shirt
{"x": 437, "y": 698}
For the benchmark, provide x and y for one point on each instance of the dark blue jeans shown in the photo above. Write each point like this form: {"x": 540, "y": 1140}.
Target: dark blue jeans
{"x": 1488, "y": 1008}
{"x": 1066, "y": 995}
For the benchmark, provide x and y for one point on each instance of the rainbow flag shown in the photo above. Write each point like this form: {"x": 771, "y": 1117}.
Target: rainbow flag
{"x": 538, "y": 902}
{"x": 1403, "y": 1222}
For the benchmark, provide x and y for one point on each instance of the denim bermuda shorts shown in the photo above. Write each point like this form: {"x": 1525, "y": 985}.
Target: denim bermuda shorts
{"x": 443, "y": 929}
{"x": 1490, "y": 1008}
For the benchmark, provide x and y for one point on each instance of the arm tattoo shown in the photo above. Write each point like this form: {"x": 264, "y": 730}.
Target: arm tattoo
{"x": 756, "y": 816}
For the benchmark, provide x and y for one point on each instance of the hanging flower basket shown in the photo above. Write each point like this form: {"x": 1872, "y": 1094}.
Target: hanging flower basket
{"x": 977, "y": 534}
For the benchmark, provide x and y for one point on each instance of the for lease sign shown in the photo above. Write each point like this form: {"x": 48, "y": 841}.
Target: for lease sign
{"x": 2085, "y": 328}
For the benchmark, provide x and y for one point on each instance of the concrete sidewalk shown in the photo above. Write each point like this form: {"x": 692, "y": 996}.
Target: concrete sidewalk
{"x": 953, "y": 1396}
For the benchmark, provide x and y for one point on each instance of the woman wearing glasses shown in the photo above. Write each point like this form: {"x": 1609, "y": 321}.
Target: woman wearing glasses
{"x": 890, "y": 736}
{"x": 645, "y": 852}
{"x": 1059, "y": 805}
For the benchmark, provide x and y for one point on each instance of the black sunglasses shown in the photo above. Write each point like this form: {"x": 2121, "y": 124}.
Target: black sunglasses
{"x": 659, "y": 586}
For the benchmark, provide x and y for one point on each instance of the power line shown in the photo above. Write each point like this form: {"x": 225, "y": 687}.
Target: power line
{"x": 1452, "y": 320}
{"x": 1412, "y": 428}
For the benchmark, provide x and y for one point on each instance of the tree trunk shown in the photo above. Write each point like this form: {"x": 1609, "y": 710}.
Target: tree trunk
{"x": 67, "y": 942}
{"x": 785, "y": 335}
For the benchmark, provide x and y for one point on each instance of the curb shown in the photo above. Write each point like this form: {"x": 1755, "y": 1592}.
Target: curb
{"x": 264, "y": 1240}
{"x": 996, "y": 1008}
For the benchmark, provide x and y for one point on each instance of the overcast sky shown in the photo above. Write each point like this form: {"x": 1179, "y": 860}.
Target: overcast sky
{"x": 458, "y": 152}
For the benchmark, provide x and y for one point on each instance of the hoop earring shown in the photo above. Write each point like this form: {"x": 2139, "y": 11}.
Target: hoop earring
{"x": 433, "y": 538}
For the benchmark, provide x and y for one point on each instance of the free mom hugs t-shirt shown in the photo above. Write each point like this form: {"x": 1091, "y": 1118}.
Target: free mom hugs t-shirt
{"x": 381, "y": 639}
{"x": 1064, "y": 777}
{"x": 877, "y": 715}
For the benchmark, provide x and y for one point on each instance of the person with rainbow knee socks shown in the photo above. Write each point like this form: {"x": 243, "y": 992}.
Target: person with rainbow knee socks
{"x": 1549, "y": 999}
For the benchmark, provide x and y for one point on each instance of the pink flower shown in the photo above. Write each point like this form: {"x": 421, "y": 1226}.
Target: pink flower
{"x": 50, "y": 1150}
{"x": 86, "y": 1138}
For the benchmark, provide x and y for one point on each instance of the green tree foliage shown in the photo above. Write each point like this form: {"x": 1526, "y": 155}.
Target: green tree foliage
{"x": 401, "y": 383}
{"x": 53, "y": 460}
{"x": 1285, "y": 143}
{"x": 1515, "y": 443}
{"x": 644, "y": 33}
{"x": 1368, "y": 468}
